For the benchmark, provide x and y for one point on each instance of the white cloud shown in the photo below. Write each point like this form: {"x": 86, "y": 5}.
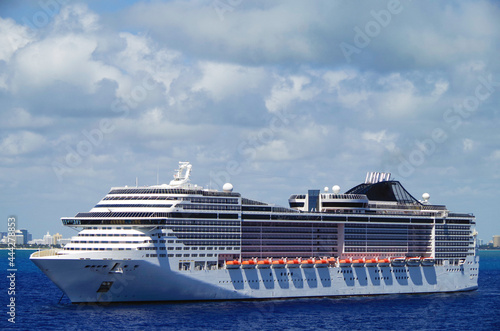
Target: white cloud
{"x": 399, "y": 97}
{"x": 334, "y": 78}
{"x": 140, "y": 55}
{"x": 153, "y": 128}
{"x": 76, "y": 17}
{"x": 440, "y": 87}
{"x": 21, "y": 118}
{"x": 276, "y": 150}
{"x": 289, "y": 89}
{"x": 66, "y": 59}
{"x": 495, "y": 155}
{"x": 222, "y": 80}
{"x": 20, "y": 143}
{"x": 375, "y": 136}
{"x": 468, "y": 144}
{"x": 12, "y": 38}
{"x": 299, "y": 140}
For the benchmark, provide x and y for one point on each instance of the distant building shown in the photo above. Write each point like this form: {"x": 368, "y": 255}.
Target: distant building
{"x": 496, "y": 241}
{"x": 19, "y": 239}
{"x": 47, "y": 239}
{"x": 36, "y": 242}
{"x": 56, "y": 238}
{"x": 24, "y": 233}
{"x": 22, "y": 237}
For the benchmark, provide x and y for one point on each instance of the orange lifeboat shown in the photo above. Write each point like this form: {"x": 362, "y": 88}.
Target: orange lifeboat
{"x": 358, "y": 263}
{"x": 321, "y": 263}
{"x": 383, "y": 262}
{"x": 307, "y": 263}
{"x": 371, "y": 262}
{"x": 263, "y": 264}
{"x": 248, "y": 264}
{"x": 331, "y": 260}
{"x": 293, "y": 263}
{"x": 345, "y": 262}
{"x": 278, "y": 264}
{"x": 235, "y": 264}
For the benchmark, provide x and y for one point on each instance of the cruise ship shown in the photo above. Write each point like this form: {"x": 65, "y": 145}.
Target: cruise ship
{"x": 180, "y": 242}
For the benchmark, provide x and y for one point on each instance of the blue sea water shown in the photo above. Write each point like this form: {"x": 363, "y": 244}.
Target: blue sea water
{"x": 39, "y": 307}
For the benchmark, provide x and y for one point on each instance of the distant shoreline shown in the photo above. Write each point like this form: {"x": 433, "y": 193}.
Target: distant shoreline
{"x": 23, "y": 248}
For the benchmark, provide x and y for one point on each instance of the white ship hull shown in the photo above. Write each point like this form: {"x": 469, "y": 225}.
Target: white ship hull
{"x": 150, "y": 280}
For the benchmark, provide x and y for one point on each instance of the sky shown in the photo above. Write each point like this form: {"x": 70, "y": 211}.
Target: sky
{"x": 276, "y": 97}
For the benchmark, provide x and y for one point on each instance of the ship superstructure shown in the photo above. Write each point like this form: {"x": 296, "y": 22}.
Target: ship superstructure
{"x": 182, "y": 242}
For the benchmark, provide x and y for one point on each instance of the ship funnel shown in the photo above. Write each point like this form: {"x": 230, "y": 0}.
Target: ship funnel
{"x": 376, "y": 177}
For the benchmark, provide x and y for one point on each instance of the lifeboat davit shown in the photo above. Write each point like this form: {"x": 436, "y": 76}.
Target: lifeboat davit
{"x": 278, "y": 264}
{"x": 307, "y": 263}
{"x": 427, "y": 261}
{"x": 235, "y": 264}
{"x": 248, "y": 264}
{"x": 398, "y": 261}
{"x": 263, "y": 264}
{"x": 345, "y": 263}
{"x": 321, "y": 263}
{"x": 358, "y": 263}
{"x": 413, "y": 261}
{"x": 293, "y": 263}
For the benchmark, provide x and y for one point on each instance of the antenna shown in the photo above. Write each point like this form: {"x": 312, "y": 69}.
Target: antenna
{"x": 136, "y": 181}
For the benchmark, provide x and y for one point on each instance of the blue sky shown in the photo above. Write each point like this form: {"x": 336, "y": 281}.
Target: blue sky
{"x": 275, "y": 97}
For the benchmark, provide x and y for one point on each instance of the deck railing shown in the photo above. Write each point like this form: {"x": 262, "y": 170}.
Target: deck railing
{"x": 47, "y": 252}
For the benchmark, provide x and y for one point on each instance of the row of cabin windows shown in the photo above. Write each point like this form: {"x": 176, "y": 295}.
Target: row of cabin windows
{"x": 194, "y": 200}
{"x": 452, "y": 227}
{"x": 453, "y": 244}
{"x": 386, "y": 237}
{"x": 96, "y": 249}
{"x": 387, "y": 226}
{"x": 185, "y": 248}
{"x": 383, "y": 250}
{"x": 106, "y": 242}
{"x": 110, "y": 235}
{"x": 179, "y": 255}
{"x": 198, "y": 222}
{"x": 452, "y": 250}
{"x": 389, "y": 231}
{"x": 208, "y": 207}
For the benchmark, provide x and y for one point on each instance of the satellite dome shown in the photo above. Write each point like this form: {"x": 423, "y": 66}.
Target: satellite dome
{"x": 336, "y": 189}
{"x": 228, "y": 187}
{"x": 326, "y": 188}
{"x": 426, "y": 196}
